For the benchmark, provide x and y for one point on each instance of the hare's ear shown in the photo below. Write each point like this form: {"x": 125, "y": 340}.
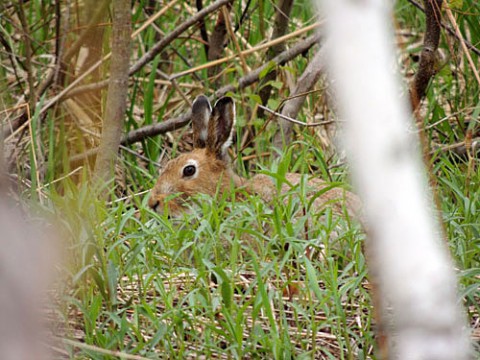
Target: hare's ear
{"x": 201, "y": 111}
{"x": 220, "y": 127}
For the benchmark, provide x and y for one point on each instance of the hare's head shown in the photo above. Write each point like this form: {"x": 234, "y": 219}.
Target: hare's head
{"x": 204, "y": 170}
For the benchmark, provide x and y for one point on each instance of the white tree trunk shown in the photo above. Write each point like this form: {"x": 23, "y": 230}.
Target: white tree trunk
{"x": 408, "y": 254}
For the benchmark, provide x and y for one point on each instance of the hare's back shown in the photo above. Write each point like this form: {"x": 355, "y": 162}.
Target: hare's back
{"x": 334, "y": 197}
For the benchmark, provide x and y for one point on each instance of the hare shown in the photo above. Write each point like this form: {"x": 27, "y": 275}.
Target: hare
{"x": 207, "y": 169}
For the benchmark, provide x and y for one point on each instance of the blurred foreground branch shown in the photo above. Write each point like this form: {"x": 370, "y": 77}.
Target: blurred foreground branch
{"x": 405, "y": 251}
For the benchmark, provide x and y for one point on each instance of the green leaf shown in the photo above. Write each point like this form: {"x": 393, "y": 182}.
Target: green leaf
{"x": 273, "y": 104}
{"x": 455, "y": 4}
{"x": 313, "y": 279}
{"x": 270, "y": 66}
{"x": 226, "y": 289}
{"x": 256, "y": 98}
{"x": 276, "y": 84}
{"x": 112, "y": 274}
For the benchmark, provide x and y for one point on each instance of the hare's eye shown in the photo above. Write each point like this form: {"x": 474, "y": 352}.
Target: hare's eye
{"x": 189, "y": 170}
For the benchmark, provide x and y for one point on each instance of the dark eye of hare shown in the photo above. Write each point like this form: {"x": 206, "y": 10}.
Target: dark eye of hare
{"x": 189, "y": 170}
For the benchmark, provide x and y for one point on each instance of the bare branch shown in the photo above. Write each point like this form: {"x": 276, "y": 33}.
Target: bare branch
{"x": 292, "y": 107}
{"x": 426, "y": 68}
{"x": 156, "y": 129}
{"x": 281, "y": 59}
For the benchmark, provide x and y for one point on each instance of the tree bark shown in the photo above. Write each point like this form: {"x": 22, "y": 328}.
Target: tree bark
{"x": 93, "y": 45}
{"x": 117, "y": 92}
{"x": 405, "y": 250}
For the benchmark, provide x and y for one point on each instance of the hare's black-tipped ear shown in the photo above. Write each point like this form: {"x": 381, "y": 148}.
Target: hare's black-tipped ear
{"x": 220, "y": 127}
{"x": 201, "y": 111}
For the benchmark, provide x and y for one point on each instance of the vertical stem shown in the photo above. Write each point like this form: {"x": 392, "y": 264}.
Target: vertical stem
{"x": 117, "y": 92}
{"x": 28, "y": 56}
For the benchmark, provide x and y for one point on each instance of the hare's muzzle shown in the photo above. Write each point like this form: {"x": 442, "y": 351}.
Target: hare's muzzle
{"x": 153, "y": 203}
{"x": 170, "y": 205}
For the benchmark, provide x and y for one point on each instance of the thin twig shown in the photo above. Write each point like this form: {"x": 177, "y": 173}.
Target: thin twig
{"x": 463, "y": 44}
{"x": 288, "y": 118}
{"x": 459, "y": 148}
{"x": 99, "y": 350}
{"x": 448, "y": 28}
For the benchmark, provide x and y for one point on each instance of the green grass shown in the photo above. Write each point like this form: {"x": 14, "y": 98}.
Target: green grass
{"x": 215, "y": 284}
{"x": 218, "y": 284}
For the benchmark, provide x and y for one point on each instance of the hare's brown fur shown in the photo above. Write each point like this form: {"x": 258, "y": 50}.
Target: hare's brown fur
{"x": 212, "y": 170}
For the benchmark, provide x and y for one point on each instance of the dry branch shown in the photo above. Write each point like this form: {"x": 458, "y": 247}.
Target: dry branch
{"x": 279, "y": 60}
{"x": 156, "y": 129}
{"x": 292, "y": 120}
{"x": 291, "y": 108}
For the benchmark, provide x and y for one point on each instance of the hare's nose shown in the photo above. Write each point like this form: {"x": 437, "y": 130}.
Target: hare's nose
{"x": 153, "y": 203}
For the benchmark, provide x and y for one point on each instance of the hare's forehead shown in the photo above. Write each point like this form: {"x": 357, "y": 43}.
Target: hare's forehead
{"x": 176, "y": 165}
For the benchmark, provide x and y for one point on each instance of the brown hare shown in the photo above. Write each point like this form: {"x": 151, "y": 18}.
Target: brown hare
{"x": 207, "y": 169}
